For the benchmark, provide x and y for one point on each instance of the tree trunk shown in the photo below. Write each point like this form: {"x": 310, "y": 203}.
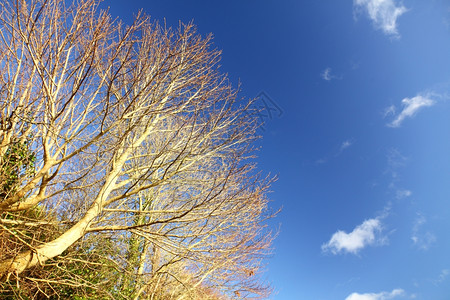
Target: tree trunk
{"x": 39, "y": 255}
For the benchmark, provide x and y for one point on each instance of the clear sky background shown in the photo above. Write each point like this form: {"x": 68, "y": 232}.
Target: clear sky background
{"x": 357, "y": 130}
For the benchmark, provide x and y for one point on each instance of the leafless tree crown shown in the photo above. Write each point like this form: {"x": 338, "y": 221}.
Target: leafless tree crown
{"x": 123, "y": 151}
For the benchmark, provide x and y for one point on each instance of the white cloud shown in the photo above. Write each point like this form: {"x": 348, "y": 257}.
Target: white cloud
{"x": 383, "y": 13}
{"x": 345, "y": 145}
{"x": 395, "y": 161}
{"x": 400, "y": 194}
{"x": 367, "y": 233}
{"x": 389, "y": 111}
{"x": 422, "y": 240}
{"x": 326, "y": 75}
{"x": 378, "y": 296}
{"x": 443, "y": 274}
{"x": 442, "y": 277}
{"x": 410, "y": 107}
{"x": 321, "y": 161}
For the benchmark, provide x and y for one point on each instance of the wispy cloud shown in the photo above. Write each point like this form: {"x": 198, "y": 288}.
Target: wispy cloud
{"x": 345, "y": 145}
{"x": 442, "y": 277}
{"x": 402, "y": 193}
{"x": 336, "y": 151}
{"x": 422, "y": 240}
{"x": 395, "y": 161}
{"x": 377, "y": 296}
{"x": 354, "y": 65}
{"x": 321, "y": 161}
{"x": 389, "y": 111}
{"x": 348, "y": 282}
{"x": 327, "y": 75}
{"x": 383, "y": 13}
{"x": 410, "y": 107}
{"x": 365, "y": 234}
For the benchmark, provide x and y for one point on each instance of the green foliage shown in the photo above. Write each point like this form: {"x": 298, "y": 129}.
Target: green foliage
{"x": 18, "y": 161}
{"x": 84, "y": 272}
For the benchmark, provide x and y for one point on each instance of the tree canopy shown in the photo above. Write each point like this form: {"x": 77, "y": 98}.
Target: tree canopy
{"x": 125, "y": 161}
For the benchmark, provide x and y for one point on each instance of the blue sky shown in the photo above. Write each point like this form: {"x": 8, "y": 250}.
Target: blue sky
{"x": 359, "y": 136}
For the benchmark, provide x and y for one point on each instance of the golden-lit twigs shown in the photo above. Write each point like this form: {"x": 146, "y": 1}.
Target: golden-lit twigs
{"x": 125, "y": 161}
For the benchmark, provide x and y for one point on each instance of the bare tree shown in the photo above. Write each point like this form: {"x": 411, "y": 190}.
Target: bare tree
{"x": 128, "y": 133}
